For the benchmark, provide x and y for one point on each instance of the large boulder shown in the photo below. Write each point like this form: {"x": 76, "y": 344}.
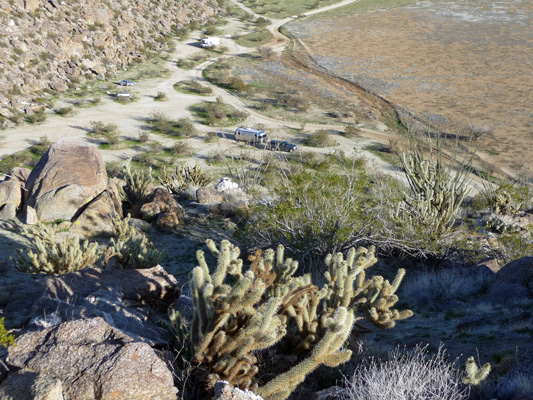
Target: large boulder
{"x": 66, "y": 178}
{"x": 94, "y": 361}
{"x": 205, "y": 195}
{"x": 96, "y": 218}
{"x": 513, "y": 281}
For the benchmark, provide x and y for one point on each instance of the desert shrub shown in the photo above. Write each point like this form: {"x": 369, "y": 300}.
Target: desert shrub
{"x": 192, "y": 86}
{"x": 316, "y": 212}
{"x": 160, "y": 96}
{"x": 36, "y": 117}
{"x": 41, "y": 146}
{"x": 99, "y": 128}
{"x": 112, "y": 138}
{"x": 64, "y": 111}
{"x": 181, "y": 148}
{"x": 238, "y": 313}
{"x": 432, "y": 287}
{"x": 144, "y": 136}
{"x": 186, "y": 127}
{"x": 407, "y": 375}
{"x": 320, "y": 138}
{"x": 55, "y": 254}
{"x": 6, "y": 338}
{"x": 351, "y": 131}
{"x": 292, "y": 100}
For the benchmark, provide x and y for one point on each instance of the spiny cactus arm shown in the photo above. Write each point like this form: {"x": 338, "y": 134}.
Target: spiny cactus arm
{"x": 473, "y": 374}
{"x": 327, "y": 350}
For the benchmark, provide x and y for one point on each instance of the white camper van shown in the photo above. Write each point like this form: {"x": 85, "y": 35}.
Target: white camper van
{"x": 210, "y": 42}
{"x": 250, "y": 135}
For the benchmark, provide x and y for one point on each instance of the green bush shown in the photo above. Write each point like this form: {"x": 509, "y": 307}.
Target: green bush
{"x": 6, "y": 338}
{"x": 320, "y": 138}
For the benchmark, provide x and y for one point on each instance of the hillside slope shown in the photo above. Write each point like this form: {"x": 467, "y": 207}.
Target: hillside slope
{"x": 47, "y": 45}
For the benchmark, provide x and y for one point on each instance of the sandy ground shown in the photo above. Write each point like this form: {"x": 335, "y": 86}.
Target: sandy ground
{"x": 457, "y": 63}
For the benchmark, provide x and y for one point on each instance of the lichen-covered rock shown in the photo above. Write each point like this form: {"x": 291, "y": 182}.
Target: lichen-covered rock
{"x": 66, "y": 178}
{"x": 94, "y": 361}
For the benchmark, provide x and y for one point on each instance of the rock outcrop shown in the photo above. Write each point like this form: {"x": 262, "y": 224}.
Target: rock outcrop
{"x": 94, "y": 361}
{"x": 54, "y": 45}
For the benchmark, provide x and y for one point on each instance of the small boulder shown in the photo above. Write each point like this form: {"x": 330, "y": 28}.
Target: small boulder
{"x": 27, "y": 385}
{"x": 10, "y": 193}
{"x": 164, "y": 200}
{"x": 8, "y": 211}
{"x": 94, "y": 361}
{"x": 513, "y": 281}
{"x": 205, "y": 195}
{"x": 97, "y": 218}
{"x": 149, "y": 211}
{"x": 167, "y": 221}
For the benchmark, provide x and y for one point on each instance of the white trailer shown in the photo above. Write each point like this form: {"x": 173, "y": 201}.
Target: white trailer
{"x": 250, "y": 135}
{"x": 210, "y": 42}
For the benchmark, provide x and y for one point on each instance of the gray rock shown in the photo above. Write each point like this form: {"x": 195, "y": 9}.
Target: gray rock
{"x": 207, "y": 195}
{"x": 8, "y": 211}
{"x": 27, "y": 385}
{"x": 94, "y": 361}
{"x": 513, "y": 281}
{"x": 10, "y": 193}
{"x": 67, "y": 177}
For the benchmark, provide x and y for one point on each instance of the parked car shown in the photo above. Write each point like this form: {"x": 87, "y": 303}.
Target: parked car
{"x": 126, "y": 82}
{"x": 281, "y": 145}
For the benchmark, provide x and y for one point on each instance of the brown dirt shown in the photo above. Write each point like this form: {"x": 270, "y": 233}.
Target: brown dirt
{"x": 458, "y": 64}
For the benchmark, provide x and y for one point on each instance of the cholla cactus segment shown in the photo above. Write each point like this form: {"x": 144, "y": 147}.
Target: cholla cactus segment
{"x": 327, "y": 351}
{"x": 55, "y": 254}
{"x": 130, "y": 249}
{"x": 473, "y": 374}
{"x": 137, "y": 182}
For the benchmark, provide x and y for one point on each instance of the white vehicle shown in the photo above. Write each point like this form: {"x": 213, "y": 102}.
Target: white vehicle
{"x": 210, "y": 42}
{"x": 250, "y": 135}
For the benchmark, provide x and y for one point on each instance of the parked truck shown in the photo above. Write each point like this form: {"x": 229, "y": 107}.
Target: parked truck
{"x": 210, "y": 42}
{"x": 250, "y": 135}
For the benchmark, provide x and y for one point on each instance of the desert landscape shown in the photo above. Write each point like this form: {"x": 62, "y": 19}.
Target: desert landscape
{"x": 147, "y": 254}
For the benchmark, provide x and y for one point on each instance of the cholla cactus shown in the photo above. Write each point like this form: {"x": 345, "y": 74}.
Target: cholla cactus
{"x": 137, "y": 181}
{"x": 55, "y": 255}
{"x": 267, "y": 303}
{"x": 184, "y": 176}
{"x": 131, "y": 250}
{"x": 473, "y": 374}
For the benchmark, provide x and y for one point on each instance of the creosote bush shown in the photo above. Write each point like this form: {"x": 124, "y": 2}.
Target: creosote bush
{"x": 238, "y": 313}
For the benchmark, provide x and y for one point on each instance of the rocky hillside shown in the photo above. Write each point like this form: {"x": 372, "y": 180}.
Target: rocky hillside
{"x": 47, "y": 45}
